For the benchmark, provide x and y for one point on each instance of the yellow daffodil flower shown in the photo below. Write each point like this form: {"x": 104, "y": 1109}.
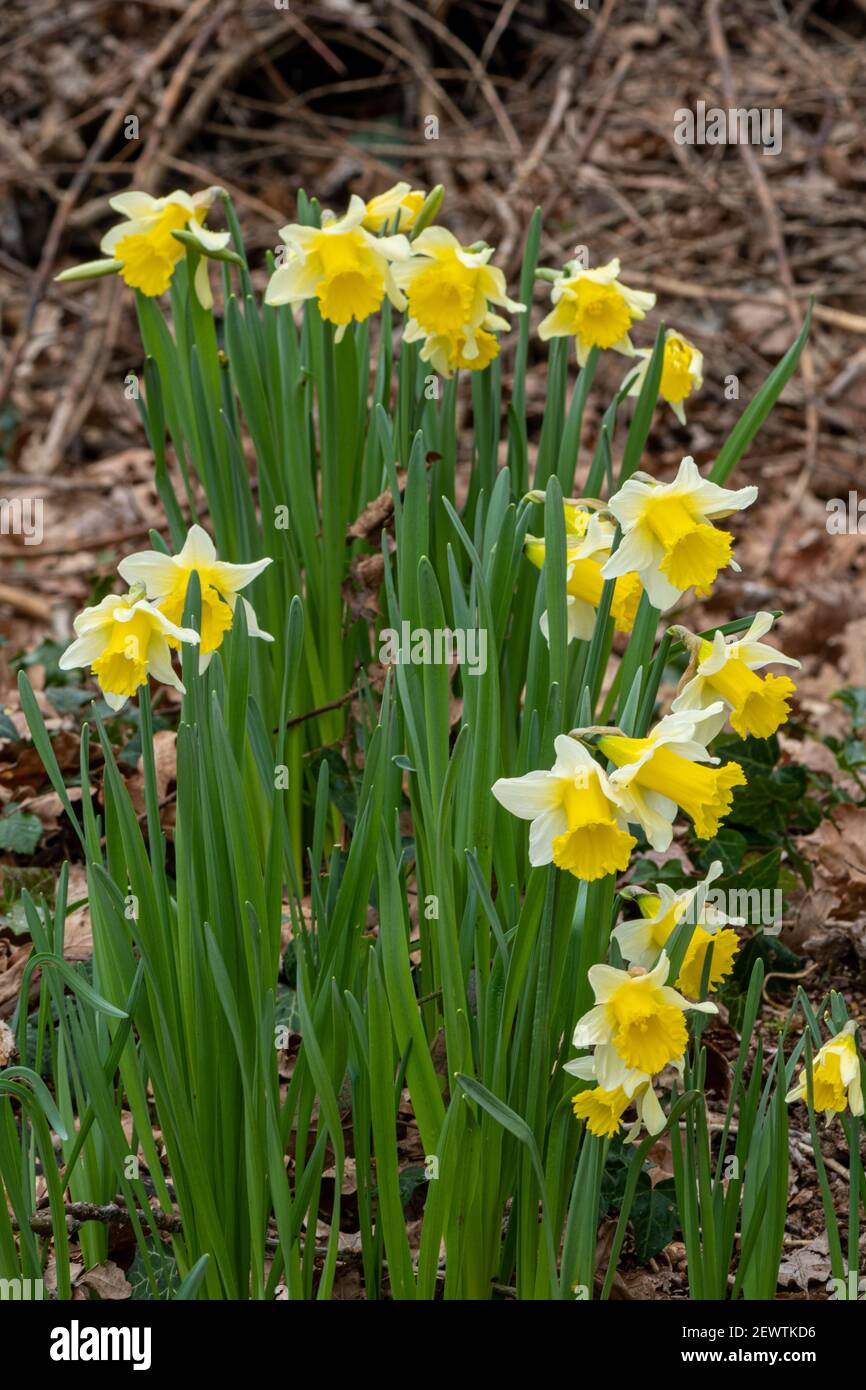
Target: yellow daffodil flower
{"x": 383, "y": 210}
{"x": 341, "y": 265}
{"x": 594, "y": 308}
{"x": 641, "y": 941}
{"x": 447, "y": 352}
{"x": 142, "y": 248}
{"x": 667, "y": 533}
{"x": 639, "y": 1017}
{"x": 165, "y": 579}
{"x": 588, "y": 542}
{"x": 656, "y": 774}
{"x": 682, "y": 372}
{"x": 449, "y": 290}
{"x": 603, "y": 1106}
{"x": 725, "y": 670}
{"x": 124, "y": 640}
{"x": 576, "y": 822}
{"x": 836, "y": 1078}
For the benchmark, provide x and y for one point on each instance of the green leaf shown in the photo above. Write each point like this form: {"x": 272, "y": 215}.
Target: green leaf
{"x": 654, "y": 1218}
{"x": 759, "y": 408}
{"x": 19, "y": 832}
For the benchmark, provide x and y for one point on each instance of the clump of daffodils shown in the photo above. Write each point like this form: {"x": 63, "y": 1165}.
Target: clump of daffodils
{"x": 342, "y": 265}
{"x": 588, "y": 541}
{"x": 125, "y": 640}
{"x": 576, "y": 821}
{"x": 668, "y": 535}
{"x": 836, "y": 1080}
{"x": 640, "y": 941}
{"x": 725, "y": 670}
{"x": 682, "y": 372}
{"x": 143, "y": 249}
{"x": 451, "y": 292}
{"x": 637, "y": 1028}
{"x": 595, "y": 308}
{"x": 165, "y": 579}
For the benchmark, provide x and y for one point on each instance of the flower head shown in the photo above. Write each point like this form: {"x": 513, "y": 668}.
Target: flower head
{"x": 836, "y": 1079}
{"x": 396, "y": 209}
{"x": 124, "y": 640}
{"x": 143, "y": 248}
{"x": 641, "y": 940}
{"x": 725, "y": 670}
{"x": 576, "y": 822}
{"x": 588, "y": 541}
{"x": 667, "y": 533}
{"x": 639, "y": 1017}
{"x": 595, "y": 308}
{"x": 617, "y": 1089}
{"x": 450, "y": 290}
{"x": 165, "y": 579}
{"x": 341, "y": 265}
{"x": 656, "y": 774}
{"x": 682, "y": 372}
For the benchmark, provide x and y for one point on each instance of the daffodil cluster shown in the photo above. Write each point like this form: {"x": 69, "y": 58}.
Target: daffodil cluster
{"x": 127, "y": 638}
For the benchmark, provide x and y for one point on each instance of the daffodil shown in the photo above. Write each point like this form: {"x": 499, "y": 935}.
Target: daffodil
{"x": 836, "y": 1082}
{"x": 166, "y": 577}
{"x": 447, "y": 352}
{"x": 596, "y": 309}
{"x": 725, "y": 670}
{"x": 682, "y": 372}
{"x": 449, "y": 290}
{"x": 640, "y": 941}
{"x": 341, "y": 265}
{"x": 588, "y": 542}
{"x": 667, "y": 533}
{"x": 143, "y": 249}
{"x": 395, "y": 209}
{"x": 656, "y": 774}
{"x": 604, "y": 1105}
{"x": 576, "y": 822}
{"x": 124, "y": 640}
{"x": 640, "y": 1017}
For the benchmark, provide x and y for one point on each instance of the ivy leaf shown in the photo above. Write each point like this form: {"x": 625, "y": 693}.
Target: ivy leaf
{"x": 654, "y": 1219}
{"x": 728, "y": 846}
{"x": 19, "y": 832}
